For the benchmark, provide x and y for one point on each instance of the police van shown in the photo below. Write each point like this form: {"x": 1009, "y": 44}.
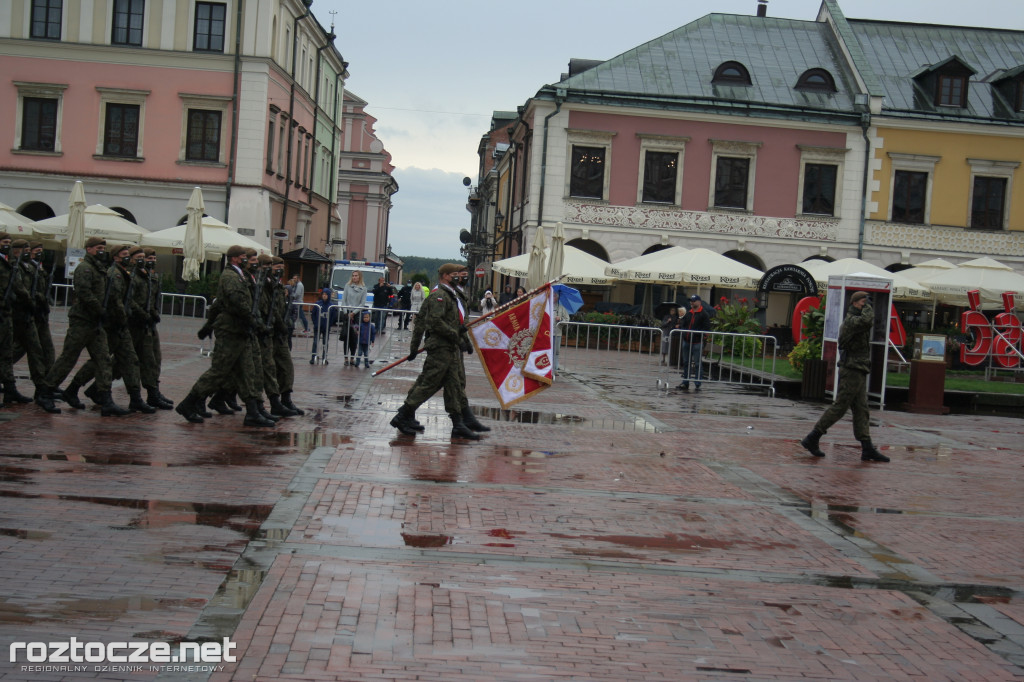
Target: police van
{"x": 371, "y": 272}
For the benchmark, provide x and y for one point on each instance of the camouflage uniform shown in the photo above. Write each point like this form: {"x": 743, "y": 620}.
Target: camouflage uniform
{"x": 231, "y": 360}
{"x": 280, "y": 335}
{"x": 439, "y": 321}
{"x": 10, "y": 282}
{"x": 26, "y": 338}
{"x": 854, "y": 366}
{"x": 119, "y": 339}
{"x": 85, "y": 327}
{"x": 38, "y": 282}
{"x": 266, "y": 368}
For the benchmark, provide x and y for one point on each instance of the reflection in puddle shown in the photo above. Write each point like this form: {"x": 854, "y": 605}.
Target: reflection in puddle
{"x": 423, "y": 541}
{"x": 559, "y": 419}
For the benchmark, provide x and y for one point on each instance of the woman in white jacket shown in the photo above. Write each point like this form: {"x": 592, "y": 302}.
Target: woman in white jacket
{"x": 416, "y": 297}
{"x": 353, "y": 300}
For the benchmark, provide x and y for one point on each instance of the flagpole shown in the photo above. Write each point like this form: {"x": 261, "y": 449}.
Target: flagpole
{"x": 503, "y": 308}
{"x": 489, "y": 315}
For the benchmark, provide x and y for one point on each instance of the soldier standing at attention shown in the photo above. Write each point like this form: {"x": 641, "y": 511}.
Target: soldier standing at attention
{"x": 231, "y": 360}
{"x": 281, "y": 334}
{"x": 85, "y": 330}
{"x": 460, "y": 280}
{"x": 440, "y": 321}
{"x": 854, "y": 366}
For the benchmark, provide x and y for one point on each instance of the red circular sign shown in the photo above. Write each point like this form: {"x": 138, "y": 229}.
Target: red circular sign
{"x": 480, "y": 272}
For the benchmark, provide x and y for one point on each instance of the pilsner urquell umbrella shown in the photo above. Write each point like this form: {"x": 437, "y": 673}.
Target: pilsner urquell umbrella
{"x": 556, "y": 254}
{"x": 76, "y": 217}
{"x": 195, "y": 252}
{"x": 537, "y": 273}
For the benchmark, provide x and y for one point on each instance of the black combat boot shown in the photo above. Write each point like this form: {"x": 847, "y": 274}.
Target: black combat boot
{"x": 229, "y": 399}
{"x": 279, "y": 409}
{"x": 200, "y": 408}
{"x": 157, "y": 399}
{"x": 286, "y": 400}
{"x": 108, "y": 408}
{"x": 868, "y": 453}
{"x": 263, "y": 412}
{"x": 11, "y": 394}
{"x": 403, "y": 421}
{"x": 219, "y": 405}
{"x": 470, "y": 420}
{"x": 70, "y": 396}
{"x": 92, "y": 394}
{"x": 810, "y": 443}
{"x": 187, "y": 408}
{"x": 460, "y": 430}
{"x": 415, "y": 422}
{"x": 44, "y": 400}
{"x": 137, "y": 404}
{"x": 253, "y": 416}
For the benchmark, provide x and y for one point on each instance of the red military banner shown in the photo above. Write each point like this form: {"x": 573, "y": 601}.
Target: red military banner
{"x": 514, "y": 347}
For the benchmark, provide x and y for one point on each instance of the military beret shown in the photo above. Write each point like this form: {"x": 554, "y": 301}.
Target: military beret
{"x": 35, "y": 245}
{"x": 236, "y": 251}
{"x": 449, "y": 268}
{"x": 19, "y": 244}
{"x": 250, "y": 252}
{"x": 278, "y": 260}
{"x": 135, "y": 250}
{"x": 124, "y": 247}
{"x": 95, "y": 241}
{"x": 858, "y": 295}
{"x": 149, "y": 252}
{"x": 4, "y": 235}
{"x": 265, "y": 259}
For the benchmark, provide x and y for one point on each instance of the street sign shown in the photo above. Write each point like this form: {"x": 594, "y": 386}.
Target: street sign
{"x": 281, "y": 234}
{"x": 480, "y": 271}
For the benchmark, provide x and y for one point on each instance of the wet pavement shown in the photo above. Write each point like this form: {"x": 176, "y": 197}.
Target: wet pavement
{"x": 604, "y": 530}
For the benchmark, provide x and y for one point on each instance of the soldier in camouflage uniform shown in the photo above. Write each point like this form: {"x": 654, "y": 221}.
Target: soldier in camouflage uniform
{"x": 85, "y": 331}
{"x": 441, "y": 323}
{"x": 38, "y": 282}
{"x": 125, "y": 364}
{"x": 281, "y": 336}
{"x": 26, "y": 339}
{"x": 460, "y": 281}
{"x": 13, "y": 296}
{"x": 854, "y": 366}
{"x": 231, "y": 362}
{"x": 143, "y": 317}
{"x": 267, "y": 330}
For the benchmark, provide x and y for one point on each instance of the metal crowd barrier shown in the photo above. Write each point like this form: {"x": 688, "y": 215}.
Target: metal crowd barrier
{"x": 721, "y": 358}
{"x": 324, "y": 343}
{"x": 592, "y": 349}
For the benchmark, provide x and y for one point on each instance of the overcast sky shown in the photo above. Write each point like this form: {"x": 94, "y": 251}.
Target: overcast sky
{"x": 433, "y": 72}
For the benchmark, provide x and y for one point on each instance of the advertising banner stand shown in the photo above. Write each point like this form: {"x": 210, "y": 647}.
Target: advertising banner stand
{"x": 840, "y": 289}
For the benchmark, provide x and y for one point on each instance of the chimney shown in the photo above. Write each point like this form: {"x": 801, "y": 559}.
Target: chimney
{"x": 762, "y": 8}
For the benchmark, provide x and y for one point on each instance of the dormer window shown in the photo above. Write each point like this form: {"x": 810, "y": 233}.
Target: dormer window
{"x": 951, "y": 91}
{"x": 1010, "y": 86}
{"x": 816, "y": 80}
{"x": 731, "y": 73}
{"x": 944, "y": 84}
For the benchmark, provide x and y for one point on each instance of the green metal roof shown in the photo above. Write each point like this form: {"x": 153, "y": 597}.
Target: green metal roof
{"x": 896, "y": 52}
{"x": 681, "y": 64}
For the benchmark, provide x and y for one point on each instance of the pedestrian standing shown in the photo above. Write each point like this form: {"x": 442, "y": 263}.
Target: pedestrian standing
{"x": 353, "y": 300}
{"x": 668, "y": 323}
{"x": 367, "y": 336}
{"x": 488, "y": 303}
{"x": 696, "y": 322}
{"x": 854, "y": 367}
{"x": 506, "y": 295}
{"x": 299, "y": 296}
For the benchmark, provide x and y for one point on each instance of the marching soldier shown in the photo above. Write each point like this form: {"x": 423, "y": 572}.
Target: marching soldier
{"x": 39, "y": 288}
{"x": 440, "y": 321}
{"x": 152, "y": 355}
{"x": 266, "y": 331}
{"x": 26, "y": 338}
{"x": 120, "y": 285}
{"x": 85, "y": 331}
{"x": 11, "y": 292}
{"x": 280, "y": 336}
{"x": 142, "y": 321}
{"x": 459, "y": 281}
{"x": 231, "y": 362}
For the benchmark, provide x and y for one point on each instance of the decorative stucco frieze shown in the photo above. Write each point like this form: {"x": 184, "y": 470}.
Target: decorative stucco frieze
{"x": 639, "y": 217}
{"x": 953, "y": 239}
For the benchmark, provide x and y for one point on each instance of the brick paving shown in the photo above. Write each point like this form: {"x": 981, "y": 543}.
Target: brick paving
{"x": 603, "y": 530}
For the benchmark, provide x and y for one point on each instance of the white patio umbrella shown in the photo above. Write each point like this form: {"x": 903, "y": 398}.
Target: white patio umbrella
{"x": 579, "y": 267}
{"x": 699, "y": 266}
{"x": 76, "y": 217}
{"x": 556, "y": 255}
{"x": 621, "y": 269}
{"x": 217, "y": 238}
{"x": 14, "y": 223}
{"x": 989, "y": 276}
{"x": 903, "y": 287}
{"x": 929, "y": 268}
{"x": 100, "y": 221}
{"x": 194, "y": 250}
{"x": 536, "y": 272}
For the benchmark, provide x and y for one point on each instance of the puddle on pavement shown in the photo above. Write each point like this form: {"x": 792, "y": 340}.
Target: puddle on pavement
{"x": 560, "y": 419}
{"x": 672, "y": 542}
{"x": 309, "y": 440}
{"x": 66, "y": 610}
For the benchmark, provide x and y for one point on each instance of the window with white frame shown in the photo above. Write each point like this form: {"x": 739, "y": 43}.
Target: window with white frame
{"x": 733, "y": 164}
{"x": 991, "y": 185}
{"x": 37, "y": 127}
{"x": 123, "y": 113}
{"x": 587, "y": 173}
{"x": 210, "y": 26}
{"x": 661, "y": 169}
{"x": 910, "y": 187}
{"x": 203, "y": 139}
{"x": 127, "y": 22}
{"x": 821, "y": 178}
